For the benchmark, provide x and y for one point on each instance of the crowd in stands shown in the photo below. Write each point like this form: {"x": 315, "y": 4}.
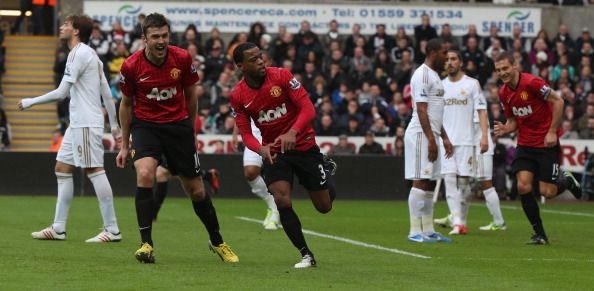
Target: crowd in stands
{"x": 359, "y": 83}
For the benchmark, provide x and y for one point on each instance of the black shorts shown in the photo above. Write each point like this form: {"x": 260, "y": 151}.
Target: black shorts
{"x": 175, "y": 142}
{"x": 308, "y": 166}
{"x": 542, "y": 162}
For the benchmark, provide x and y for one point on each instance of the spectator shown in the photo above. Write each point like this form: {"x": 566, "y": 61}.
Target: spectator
{"x": 351, "y": 41}
{"x": 543, "y": 35}
{"x": 371, "y": 146}
{"x": 24, "y": 6}
{"x": 424, "y": 31}
{"x": 402, "y": 45}
{"x": 584, "y": 38}
{"x": 582, "y": 122}
{"x": 380, "y": 41}
{"x": 116, "y": 60}
{"x": 307, "y": 45}
{"x": 379, "y": 127}
{"x": 472, "y": 33}
{"x": 447, "y": 36}
{"x": 214, "y": 64}
{"x": 398, "y": 150}
{"x": 517, "y": 37}
{"x": 191, "y": 36}
{"x": 540, "y": 46}
{"x": 215, "y": 37}
{"x": 493, "y": 36}
{"x": 330, "y": 36}
{"x": 280, "y": 45}
{"x": 585, "y": 79}
{"x": 239, "y": 38}
{"x": 326, "y": 126}
{"x": 567, "y": 131}
{"x": 43, "y": 17}
{"x": 403, "y": 71}
{"x": 5, "y": 133}
{"x": 117, "y": 33}
{"x": 304, "y": 29}
{"x": 588, "y": 133}
{"x": 136, "y": 34}
{"x": 56, "y": 140}
{"x": 257, "y": 29}
{"x": 343, "y": 147}
{"x": 353, "y": 127}
{"x": 563, "y": 65}
{"x": 564, "y": 37}
{"x": 99, "y": 43}
{"x": 401, "y": 35}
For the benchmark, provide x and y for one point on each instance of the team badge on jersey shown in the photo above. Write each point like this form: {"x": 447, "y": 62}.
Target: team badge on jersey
{"x": 193, "y": 69}
{"x": 132, "y": 153}
{"x": 294, "y": 84}
{"x": 276, "y": 91}
{"x": 122, "y": 78}
{"x": 462, "y": 92}
{"x": 524, "y": 95}
{"x": 174, "y": 73}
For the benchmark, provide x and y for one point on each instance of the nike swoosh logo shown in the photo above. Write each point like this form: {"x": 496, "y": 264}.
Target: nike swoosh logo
{"x": 248, "y": 105}
{"x": 323, "y": 182}
{"x": 144, "y": 79}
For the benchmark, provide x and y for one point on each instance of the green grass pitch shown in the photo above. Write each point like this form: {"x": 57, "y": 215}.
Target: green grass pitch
{"x": 477, "y": 261}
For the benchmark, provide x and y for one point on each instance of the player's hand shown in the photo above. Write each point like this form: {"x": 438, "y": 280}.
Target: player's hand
{"x": 117, "y": 135}
{"x": 122, "y": 158}
{"x": 287, "y": 141}
{"x": 433, "y": 150}
{"x": 550, "y": 140}
{"x": 499, "y": 128}
{"x": 449, "y": 148}
{"x": 234, "y": 142}
{"x": 20, "y": 105}
{"x": 265, "y": 154}
{"x": 484, "y": 144}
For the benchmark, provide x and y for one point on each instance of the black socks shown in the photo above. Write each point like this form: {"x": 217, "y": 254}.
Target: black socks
{"x": 532, "y": 212}
{"x": 207, "y": 214}
{"x": 160, "y": 193}
{"x": 145, "y": 207}
{"x": 292, "y": 227}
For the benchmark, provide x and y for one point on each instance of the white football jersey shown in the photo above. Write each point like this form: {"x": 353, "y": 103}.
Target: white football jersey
{"x": 84, "y": 70}
{"x": 426, "y": 86}
{"x": 462, "y": 99}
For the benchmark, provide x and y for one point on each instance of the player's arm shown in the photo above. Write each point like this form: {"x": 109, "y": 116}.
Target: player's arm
{"x": 305, "y": 117}
{"x": 557, "y": 105}
{"x": 58, "y": 94}
{"x": 484, "y": 123}
{"x": 242, "y": 123}
{"x": 234, "y": 139}
{"x": 426, "y": 126}
{"x": 127, "y": 87}
{"x": 109, "y": 105}
{"x": 511, "y": 125}
{"x": 191, "y": 96}
{"x": 449, "y": 148}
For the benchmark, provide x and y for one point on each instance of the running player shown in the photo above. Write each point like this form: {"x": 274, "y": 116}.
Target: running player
{"x": 159, "y": 109}
{"x": 82, "y": 145}
{"x": 420, "y": 141}
{"x": 281, "y": 109}
{"x": 534, "y": 111}
{"x": 464, "y": 104}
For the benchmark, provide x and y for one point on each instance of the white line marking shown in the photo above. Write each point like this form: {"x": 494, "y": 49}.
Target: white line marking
{"x": 347, "y": 240}
{"x": 545, "y": 210}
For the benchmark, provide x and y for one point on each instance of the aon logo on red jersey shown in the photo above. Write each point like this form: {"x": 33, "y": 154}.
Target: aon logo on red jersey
{"x": 522, "y": 111}
{"x": 272, "y": 114}
{"x": 162, "y": 94}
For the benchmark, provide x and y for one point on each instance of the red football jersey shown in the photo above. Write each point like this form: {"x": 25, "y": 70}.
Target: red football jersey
{"x": 279, "y": 105}
{"x": 158, "y": 91}
{"x": 527, "y": 103}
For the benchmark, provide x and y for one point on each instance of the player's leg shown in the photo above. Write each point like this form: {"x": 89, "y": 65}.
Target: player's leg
{"x": 453, "y": 199}
{"x": 315, "y": 176}
{"x": 90, "y": 158}
{"x": 63, "y": 169}
{"x": 162, "y": 176}
{"x": 252, "y": 167}
{"x": 484, "y": 174}
{"x": 529, "y": 205}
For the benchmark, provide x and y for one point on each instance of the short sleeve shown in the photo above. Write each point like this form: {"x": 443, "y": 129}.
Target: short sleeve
{"x": 479, "y": 99}
{"x": 189, "y": 72}
{"x": 420, "y": 88}
{"x": 126, "y": 80}
{"x": 504, "y": 105}
{"x": 538, "y": 87}
{"x": 77, "y": 61}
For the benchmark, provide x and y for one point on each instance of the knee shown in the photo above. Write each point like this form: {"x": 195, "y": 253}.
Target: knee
{"x": 197, "y": 194}
{"x": 250, "y": 174}
{"x": 548, "y": 192}
{"x": 145, "y": 176}
{"x": 324, "y": 207}
{"x": 524, "y": 187}
{"x": 281, "y": 199}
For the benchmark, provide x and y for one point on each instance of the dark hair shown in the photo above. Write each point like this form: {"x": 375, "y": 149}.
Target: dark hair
{"x": 506, "y": 56}
{"x": 154, "y": 20}
{"x": 84, "y": 24}
{"x": 458, "y": 54}
{"x": 238, "y": 51}
{"x": 433, "y": 45}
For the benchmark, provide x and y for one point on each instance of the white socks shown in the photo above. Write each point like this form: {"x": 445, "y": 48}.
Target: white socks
{"x": 492, "y": 201}
{"x": 465, "y": 192}
{"x": 418, "y": 211}
{"x": 427, "y": 213}
{"x": 65, "y": 194}
{"x": 453, "y": 197}
{"x": 259, "y": 188}
{"x": 105, "y": 197}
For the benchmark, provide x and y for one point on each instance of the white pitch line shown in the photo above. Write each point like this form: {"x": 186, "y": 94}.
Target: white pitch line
{"x": 347, "y": 240}
{"x": 548, "y": 211}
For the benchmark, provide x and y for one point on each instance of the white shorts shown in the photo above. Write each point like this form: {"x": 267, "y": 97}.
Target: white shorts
{"x": 82, "y": 147}
{"x": 251, "y": 158}
{"x": 416, "y": 152}
{"x": 483, "y": 166}
{"x": 461, "y": 163}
